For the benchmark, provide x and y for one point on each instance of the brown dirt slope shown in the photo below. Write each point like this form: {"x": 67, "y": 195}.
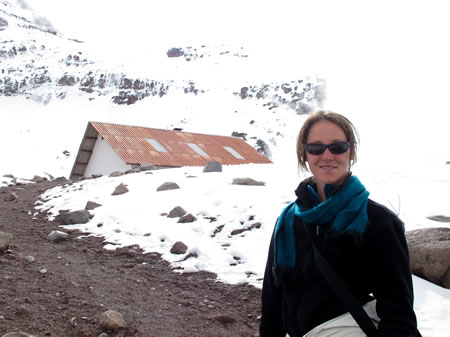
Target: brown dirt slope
{"x": 69, "y": 284}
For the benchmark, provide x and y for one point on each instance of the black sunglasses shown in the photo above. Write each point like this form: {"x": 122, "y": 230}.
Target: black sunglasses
{"x": 335, "y": 148}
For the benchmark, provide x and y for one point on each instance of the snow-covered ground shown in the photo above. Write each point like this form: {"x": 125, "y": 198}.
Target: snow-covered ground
{"x": 414, "y": 192}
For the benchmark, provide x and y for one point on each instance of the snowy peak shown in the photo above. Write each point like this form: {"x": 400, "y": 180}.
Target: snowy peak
{"x": 17, "y": 14}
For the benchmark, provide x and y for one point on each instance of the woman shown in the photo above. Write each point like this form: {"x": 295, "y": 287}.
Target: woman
{"x": 363, "y": 241}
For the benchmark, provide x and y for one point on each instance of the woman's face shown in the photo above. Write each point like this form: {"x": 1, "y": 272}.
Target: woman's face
{"x": 327, "y": 168}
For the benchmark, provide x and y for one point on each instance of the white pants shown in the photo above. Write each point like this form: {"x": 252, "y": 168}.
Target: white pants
{"x": 344, "y": 325}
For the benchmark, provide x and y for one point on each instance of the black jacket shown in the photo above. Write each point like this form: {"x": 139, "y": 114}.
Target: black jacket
{"x": 377, "y": 265}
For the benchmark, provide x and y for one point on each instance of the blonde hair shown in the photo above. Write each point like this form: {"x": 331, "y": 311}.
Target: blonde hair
{"x": 349, "y": 129}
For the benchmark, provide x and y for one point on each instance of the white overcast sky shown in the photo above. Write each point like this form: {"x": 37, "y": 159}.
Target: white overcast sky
{"x": 385, "y": 57}
{"x": 320, "y": 30}
{"x": 404, "y": 38}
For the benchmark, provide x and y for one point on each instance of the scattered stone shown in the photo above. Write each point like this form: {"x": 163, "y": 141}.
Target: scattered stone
{"x": 187, "y": 218}
{"x": 57, "y": 236}
{"x": 148, "y": 167}
{"x": 248, "y": 181}
{"x": 255, "y": 225}
{"x": 11, "y": 196}
{"x": 90, "y": 205}
{"x": 440, "y": 218}
{"x": 249, "y": 228}
{"x": 38, "y": 179}
{"x": 217, "y": 230}
{"x": 120, "y": 189}
{"x": 116, "y": 174}
{"x": 212, "y": 166}
{"x": 225, "y": 319}
{"x": 179, "y": 248}
{"x": 76, "y": 217}
{"x": 103, "y": 335}
{"x": 238, "y": 231}
{"x": 167, "y": 186}
{"x": 21, "y": 310}
{"x": 8, "y": 176}
{"x": 43, "y": 271}
{"x": 29, "y": 258}
{"x": 61, "y": 180}
{"x": 4, "y": 241}
{"x": 177, "y": 212}
{"x": 429, "y": 251}
{"x": 112, "y": 320}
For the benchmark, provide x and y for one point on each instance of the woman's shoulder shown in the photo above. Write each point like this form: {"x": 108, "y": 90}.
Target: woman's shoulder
{"x": 379, "y": 214}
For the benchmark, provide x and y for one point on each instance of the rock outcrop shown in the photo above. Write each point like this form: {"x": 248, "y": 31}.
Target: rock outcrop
{"x": 429, "y": 251}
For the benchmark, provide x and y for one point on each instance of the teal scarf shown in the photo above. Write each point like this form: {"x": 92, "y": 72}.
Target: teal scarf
{"x": 346, "y": 211}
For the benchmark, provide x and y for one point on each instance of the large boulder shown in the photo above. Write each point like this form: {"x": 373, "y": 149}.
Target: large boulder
{"x": 429, "y": 251}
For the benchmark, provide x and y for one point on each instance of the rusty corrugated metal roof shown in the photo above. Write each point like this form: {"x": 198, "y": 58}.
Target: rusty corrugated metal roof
{"x": 136, "y": 145}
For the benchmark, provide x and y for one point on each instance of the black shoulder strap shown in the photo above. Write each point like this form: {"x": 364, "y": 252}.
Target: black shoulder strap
{"x": 342, "y": 291}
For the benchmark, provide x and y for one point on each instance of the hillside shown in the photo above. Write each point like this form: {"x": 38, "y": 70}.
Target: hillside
{"x": 62, "y": 288}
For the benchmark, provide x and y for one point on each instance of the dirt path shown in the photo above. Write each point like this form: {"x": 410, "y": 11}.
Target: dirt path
{"x": 61, "y": 289}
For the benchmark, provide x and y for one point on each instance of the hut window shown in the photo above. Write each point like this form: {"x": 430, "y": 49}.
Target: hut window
{"x": 233, "y": 152}
{"x": 198, "y": 149}
{"x": 157, "y": 145}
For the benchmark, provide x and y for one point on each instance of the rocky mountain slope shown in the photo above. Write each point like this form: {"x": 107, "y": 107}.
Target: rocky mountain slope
{"x": 179, "y": 83}
{"x": 40, "y": 64}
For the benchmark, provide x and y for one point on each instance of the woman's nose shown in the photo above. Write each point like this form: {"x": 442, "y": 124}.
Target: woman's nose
{"x": 327, "y": 154}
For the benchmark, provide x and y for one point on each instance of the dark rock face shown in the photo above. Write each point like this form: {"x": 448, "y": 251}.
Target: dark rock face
{"x": 429, "y": 251}
{"x": 43, "y": 73}
{"x": 175, "y": 52}
{"x": 193, "y": 54}
{"x": 3, "y": 24}
{"x": 262, "y": 147}
{"x": 68, "y": 80}
{"x": 242, "y": 135}
{"x": 297, "y": 95}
